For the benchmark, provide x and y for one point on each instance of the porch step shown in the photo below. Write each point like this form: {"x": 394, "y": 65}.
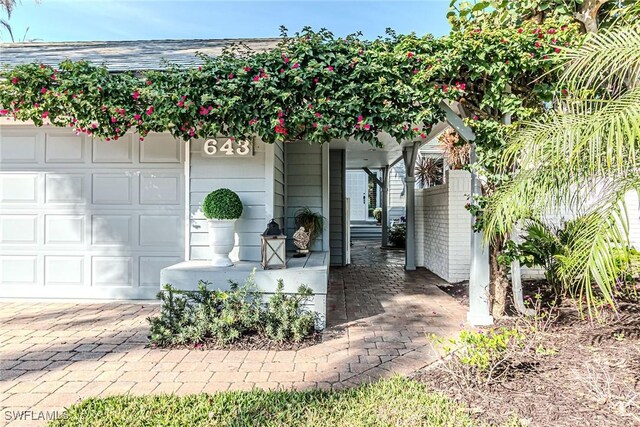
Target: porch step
{"x": 365, "y": 231}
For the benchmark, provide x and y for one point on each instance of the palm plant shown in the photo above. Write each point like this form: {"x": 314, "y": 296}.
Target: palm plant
{"x": 428, "y": 172}
{"x": 582, "y": 158}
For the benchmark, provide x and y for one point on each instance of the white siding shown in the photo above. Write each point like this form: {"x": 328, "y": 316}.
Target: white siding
{"x": 336, "y": 206}
{"x": 304, "y": 184}
{"x": 279, "y": 184}
{"x": 245, "y": 176}
{"x": 397, "y": 199}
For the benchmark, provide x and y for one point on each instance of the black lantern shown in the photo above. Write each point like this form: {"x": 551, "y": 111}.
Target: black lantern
{"x": 273, "y": 247}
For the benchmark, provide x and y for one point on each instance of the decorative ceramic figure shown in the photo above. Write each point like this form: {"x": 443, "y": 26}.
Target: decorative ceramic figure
{"x": 301, "y": 240}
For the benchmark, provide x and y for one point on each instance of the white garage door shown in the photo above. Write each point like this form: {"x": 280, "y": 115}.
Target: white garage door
{"x": 83, "y": 218}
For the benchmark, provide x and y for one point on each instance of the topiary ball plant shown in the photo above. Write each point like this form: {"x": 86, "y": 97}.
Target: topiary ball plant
{"x": 222, "y": 204}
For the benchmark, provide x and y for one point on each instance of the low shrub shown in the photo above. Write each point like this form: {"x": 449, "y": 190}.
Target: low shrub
{"x": 398, "y": 235}
{"x": 285, "y": 316}
{"x": 480, "y": 358}
{"x": 196, "y": 317}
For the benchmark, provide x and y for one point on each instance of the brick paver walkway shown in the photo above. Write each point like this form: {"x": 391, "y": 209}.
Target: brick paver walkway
{"x": 55, "y": 354}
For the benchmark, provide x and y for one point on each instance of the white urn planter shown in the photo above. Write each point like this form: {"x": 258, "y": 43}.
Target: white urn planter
{"x": 221, "y": 241}
{"x": 222, "y": 208}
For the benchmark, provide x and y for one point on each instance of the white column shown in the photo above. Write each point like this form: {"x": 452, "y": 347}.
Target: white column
{"x": 479, "y": 313}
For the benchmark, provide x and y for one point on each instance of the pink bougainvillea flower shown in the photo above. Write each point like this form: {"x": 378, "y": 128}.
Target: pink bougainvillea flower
{"x": 310, "y": 106}
{"x": 557, "y": 50}
{"x": 296, "y": 65}
{"x": 113, "y": 120}
{"x": 148, "y": 82}
{"x": 410, "y": 55}
{"x": 117, "y": 130}
{"x": 181, "y": 103}
{"x": 53, "y": 76}
{"x": 520, "y": 30}
{"x": 137, "y": 116}
{"x": 230, "y": 75}
{"x": 551, "y": 31}
{"x": 36, "y": 105}
{"x": 15, "y": 80}
{"x": 367, "y": 126}
{"x": 415, "y": 71}
{"x": 318, "y": 115}
{"x": 246, "y": 68}
{"x": 4, "y": 112}
{"x": 538, "y": 44}
{"x": 135, "y": 95}
{"x": 325, "y": 128}
{"x": 43, "y": 90}
{"x": 423, "y": 135}
{"x": 141, "y": 138}
{"x": 281, "y": 70}
{"x": 286, "y": 59}
{"x": 315, "y": 125}
{"x": 329, "y": 68}
{"x": 475, "y": 117}
{"x": 150, "y": 110}
{"x": 45, "y": 114}
{"x": 360, "y": 118}
{"x": 93, "y": 125}
{"x": 256, "y": 78}
{"x": 315, "y": 80}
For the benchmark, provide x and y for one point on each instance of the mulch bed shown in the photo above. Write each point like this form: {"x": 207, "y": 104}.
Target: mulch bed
{"x": 255, "y": 342}
{"x": 587, "y": 374}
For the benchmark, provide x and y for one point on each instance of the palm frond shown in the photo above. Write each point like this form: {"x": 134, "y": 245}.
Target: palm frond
{"x": 7, "y": 26}
{"x": 609, "y": 57}
{"x": 603, "y": 134}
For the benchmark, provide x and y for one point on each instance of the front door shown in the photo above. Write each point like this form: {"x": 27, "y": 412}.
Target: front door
{"x": 357, "y": 184}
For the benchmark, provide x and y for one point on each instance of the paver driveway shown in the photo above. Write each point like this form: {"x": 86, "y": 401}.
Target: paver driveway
{"x": 54, "y": 354}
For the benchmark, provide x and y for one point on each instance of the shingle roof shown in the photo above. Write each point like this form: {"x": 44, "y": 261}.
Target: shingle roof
{"x": 124, "y": 55}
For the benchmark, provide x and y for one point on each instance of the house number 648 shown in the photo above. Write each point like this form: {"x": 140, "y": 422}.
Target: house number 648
{"x": 229, "y": 148}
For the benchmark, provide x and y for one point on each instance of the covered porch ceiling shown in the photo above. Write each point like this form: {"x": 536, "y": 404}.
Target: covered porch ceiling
{"x": 361, "y": 154}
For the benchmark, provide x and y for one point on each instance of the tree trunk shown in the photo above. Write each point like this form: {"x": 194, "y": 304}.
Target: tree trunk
{"x": 499, "y": 285}
{"x": 588, "y": 14}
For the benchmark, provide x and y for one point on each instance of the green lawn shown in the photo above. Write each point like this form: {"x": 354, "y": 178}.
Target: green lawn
{"x": 394, "y": 402}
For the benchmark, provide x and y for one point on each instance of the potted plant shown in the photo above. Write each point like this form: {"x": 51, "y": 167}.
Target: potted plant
{"x": 313, "y": 222}
{"x": 377, "y": 214}
{"x": 222, "y": 208}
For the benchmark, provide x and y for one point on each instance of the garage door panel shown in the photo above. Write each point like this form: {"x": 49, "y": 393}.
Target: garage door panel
{"x": 65, "y": 188}
{"x": 19, "y": 148}
{"x": 120, "y": 151}
{"x": 111, "y": 230}
{"x": 65, "y": 149}
{"x": 18, "y": 188}
{"x": 160, "y": 188}
{"x": 64, "y": 270}
{"x": 112, "y": 271}
{"x": 112, "y": 189}
{"x": 19, "y": 270}
{"x": 161, "y": 149}
{"x": 160, "y": 230}
{"x": 64, "y": 229}
{"x": 18, "y": 229}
